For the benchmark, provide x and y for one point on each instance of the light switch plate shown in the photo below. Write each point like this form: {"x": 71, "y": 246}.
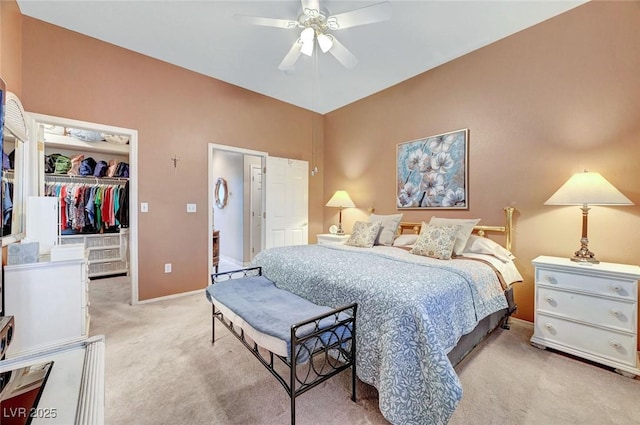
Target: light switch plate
{"x": 191, "y": 208}
{"x": 144, "y": 207}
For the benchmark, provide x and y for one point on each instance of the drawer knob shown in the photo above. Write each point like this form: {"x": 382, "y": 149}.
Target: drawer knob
{"x": 549, "y": 326}
{"x": 615, "y": 344}
{"x": 616, "y": 288}
{"x": 616, "y": 312}
{"x": 551, "y": 279}
{"x": 549, "y": 299}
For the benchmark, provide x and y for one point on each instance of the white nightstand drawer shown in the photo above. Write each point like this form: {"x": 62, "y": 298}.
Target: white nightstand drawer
{"x": 597, "y": 285}
{"x": 585, "y": 308}
{"x": 601, "y": 343}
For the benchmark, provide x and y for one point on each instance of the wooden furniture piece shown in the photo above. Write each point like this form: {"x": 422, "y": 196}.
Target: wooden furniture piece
{"x": 588, "y": 310}
{"x": 49, "y": 301}
{"x": 215, "y": 240}
{"x": 331, "y": 238}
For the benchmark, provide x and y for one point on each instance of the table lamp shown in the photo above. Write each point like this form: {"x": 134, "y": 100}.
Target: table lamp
{"x": 587, "y": 188}
{"x": 341, "y": 200}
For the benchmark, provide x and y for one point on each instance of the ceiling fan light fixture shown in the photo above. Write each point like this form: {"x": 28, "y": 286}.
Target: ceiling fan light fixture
{"x": 325, "y": 42}
{"x": 307, "y": 48}
{"x": 307, "y": 34}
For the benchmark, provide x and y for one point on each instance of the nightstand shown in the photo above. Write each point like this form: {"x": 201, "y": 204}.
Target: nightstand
{"x": 332, "y": 238}
{"x": 588, "y": 310}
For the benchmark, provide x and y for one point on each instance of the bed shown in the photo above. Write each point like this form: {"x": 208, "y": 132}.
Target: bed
{"x": 418, "y": 316}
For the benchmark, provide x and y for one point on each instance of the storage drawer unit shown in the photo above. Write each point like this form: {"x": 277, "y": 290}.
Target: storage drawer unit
{"x": 107, "y": 253}
{"x": 588, "y": 310}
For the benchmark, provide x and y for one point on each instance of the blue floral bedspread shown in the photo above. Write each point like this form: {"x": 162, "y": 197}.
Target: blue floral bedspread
{"x": 412, "y": 310}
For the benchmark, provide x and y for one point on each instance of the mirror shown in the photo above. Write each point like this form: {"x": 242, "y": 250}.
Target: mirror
{"x": 221, "y": 193}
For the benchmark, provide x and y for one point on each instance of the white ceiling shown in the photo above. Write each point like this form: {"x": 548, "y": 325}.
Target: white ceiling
{"x": 203, "y": 36}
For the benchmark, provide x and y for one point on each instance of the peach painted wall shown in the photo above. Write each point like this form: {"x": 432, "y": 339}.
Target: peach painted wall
{"x": 176, "y": 112}
{"x": 11, "y": 46}
{"x": 540, "y": 105}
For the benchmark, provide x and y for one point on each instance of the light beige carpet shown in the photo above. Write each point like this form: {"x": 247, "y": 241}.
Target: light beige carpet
{"x": 162, "y": 369}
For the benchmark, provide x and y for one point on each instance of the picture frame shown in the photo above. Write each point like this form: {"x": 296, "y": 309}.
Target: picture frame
{"x": 432, "y": 172}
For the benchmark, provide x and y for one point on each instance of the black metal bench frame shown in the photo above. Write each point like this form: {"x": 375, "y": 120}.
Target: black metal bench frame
{"x": 325, "y": 360}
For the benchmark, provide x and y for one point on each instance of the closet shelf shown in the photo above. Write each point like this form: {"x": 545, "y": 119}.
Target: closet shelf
{"x": 71, "y": 143}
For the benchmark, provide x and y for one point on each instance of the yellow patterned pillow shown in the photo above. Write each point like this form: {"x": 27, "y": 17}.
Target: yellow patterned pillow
{"x": 364, "y": 234}
{"x": 436, "y": 241}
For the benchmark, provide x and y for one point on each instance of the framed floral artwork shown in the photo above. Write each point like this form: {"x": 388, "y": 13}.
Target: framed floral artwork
{"x": 432, "y": 172}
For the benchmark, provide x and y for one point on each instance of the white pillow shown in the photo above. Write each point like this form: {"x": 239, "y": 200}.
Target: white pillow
{"x": 389, "y": 229}
{"x": 364, "y": 234}
{"x": 466, "y": 227}
{"x": 480, "y": 245}
{"x": 405, "y": 240}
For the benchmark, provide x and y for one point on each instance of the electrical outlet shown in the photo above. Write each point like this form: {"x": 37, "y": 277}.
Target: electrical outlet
{"x": 167, "y": 268}
{"x": 191, "y": 208}
{"x": 144, "y": 207}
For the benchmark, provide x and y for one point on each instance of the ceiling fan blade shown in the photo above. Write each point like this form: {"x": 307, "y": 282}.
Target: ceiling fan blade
{"x": 266, "y": 22}
{"x": 311, "y": 8}
{"x": 291, "y": 57}
{"x": 365, "y": 15}
{"x": 342, "y": 54}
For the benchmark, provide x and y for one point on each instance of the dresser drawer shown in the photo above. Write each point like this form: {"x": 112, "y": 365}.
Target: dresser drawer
{"x": 612, "y": 346}
{"x": 616, "y": 314}
{"x": 598, "y": 285}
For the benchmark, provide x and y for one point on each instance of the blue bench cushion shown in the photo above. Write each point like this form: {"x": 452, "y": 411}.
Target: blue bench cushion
{"x": 266, "y": 312}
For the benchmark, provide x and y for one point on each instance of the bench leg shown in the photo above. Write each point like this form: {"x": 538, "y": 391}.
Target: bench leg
{"x": 353, "y": 382}
{"x": 213, "y": 323}
{"x": 292, "y": 382}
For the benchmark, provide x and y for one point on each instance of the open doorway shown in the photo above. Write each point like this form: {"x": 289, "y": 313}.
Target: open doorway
{"x": 251, "y": 210}
{"x": 237, "y": 224}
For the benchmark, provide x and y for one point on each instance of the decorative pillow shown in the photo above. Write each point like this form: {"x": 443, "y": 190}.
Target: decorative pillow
{"x": 479, "y": 245}
{"x": 464, "y": 232}
{"x": 405, "y": 240}
{"x": 364, "y": 234}
{"x": 389, "y": 228}
{"x": 436, "y": 241}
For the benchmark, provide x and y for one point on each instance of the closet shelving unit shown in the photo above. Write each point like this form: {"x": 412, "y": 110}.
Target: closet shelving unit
{"x": 107, "y": 253}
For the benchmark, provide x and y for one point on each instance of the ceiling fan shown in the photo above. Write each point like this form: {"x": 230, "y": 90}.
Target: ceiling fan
{"x": 316, "y": 24}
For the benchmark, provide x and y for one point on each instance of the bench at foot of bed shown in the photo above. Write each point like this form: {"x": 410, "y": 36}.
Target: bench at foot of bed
{"x": 313, "y": 342}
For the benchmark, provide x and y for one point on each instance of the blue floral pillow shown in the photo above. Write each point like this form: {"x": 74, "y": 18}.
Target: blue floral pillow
{"x": 364, "y": 234}
{"x": 436, "y": 241}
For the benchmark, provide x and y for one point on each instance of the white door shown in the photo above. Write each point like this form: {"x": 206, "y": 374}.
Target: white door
{"x": 287, "y": 202}
{"x": 256, "y": 211}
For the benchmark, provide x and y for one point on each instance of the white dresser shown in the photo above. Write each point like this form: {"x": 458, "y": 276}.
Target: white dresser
{"x": 588, "y": 310}
{"x": 49, "y": 303}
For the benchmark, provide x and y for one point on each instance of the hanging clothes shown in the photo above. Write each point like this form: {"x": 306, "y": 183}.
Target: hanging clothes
{"x": 90, "y": 207}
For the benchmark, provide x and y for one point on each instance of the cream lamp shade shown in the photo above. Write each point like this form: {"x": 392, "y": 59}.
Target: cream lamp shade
{"x": 587, "y": 188}
{"x": 341, "y": 200}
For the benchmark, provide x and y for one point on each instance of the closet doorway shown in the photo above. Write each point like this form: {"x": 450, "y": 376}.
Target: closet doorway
{"x": 112, "y": 251}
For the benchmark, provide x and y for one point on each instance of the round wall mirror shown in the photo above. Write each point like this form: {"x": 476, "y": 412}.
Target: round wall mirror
{"x": 221, "y": 193}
